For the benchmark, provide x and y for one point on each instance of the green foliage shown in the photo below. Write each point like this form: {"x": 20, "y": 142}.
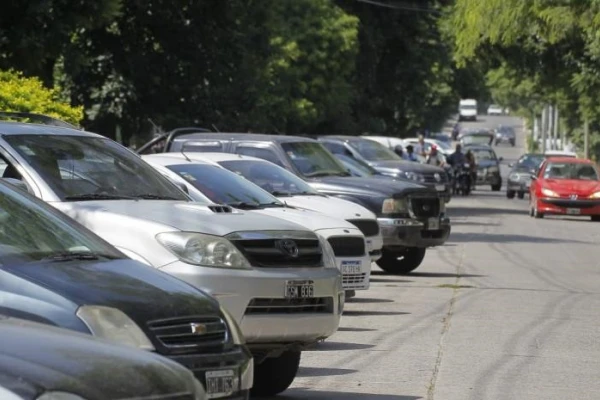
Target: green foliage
{"x": 21, "y": 94}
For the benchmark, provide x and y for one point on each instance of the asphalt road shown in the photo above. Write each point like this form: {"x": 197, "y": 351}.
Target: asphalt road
{"x": 507, "y": 309}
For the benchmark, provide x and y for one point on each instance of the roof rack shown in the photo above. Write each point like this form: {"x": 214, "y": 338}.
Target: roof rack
{"x": 38, "y": 119}
{"x": 170, "y": 135}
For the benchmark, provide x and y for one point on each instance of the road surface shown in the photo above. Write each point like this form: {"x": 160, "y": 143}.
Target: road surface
{"x": 508, "y": 309}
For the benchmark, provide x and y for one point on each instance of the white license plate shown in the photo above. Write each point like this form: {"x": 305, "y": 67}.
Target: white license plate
{"x": 573, "y": 211}
{"x": 440, "y": 188}
{"x": 299, "y": 289}
{"x": 433, "y": 224}
{"x": 351, "y": 267}
{"x": 220, "y": 383}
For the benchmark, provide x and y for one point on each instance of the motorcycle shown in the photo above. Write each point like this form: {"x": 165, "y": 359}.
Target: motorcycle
{"x": 462, "y": 179}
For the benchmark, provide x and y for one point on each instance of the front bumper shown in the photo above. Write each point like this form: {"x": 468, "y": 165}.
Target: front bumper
{"x": 408, "y": 232}
{"x": 564, "y": 206}
{"x": 256, "y": 299}
{"x": 518, "y": 186}
{"x": 239, "y": 359}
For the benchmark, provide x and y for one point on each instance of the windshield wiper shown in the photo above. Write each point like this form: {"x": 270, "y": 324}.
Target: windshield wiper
{"x": 307, "y": 193}
{"x": 272, "y": 204}
{"x": 245, "y": 206}
{"x": 326, "y": 173}
{"x": 282, "y": 194}
{"x": 150, "y": 196}
{"x": 71, "y": 255}
{"x": 97, "y": 196}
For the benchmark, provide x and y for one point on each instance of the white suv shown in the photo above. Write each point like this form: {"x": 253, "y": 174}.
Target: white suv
{"x": 277, "y": 278}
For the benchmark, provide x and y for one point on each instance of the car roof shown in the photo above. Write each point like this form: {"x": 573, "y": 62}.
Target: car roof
{"x": 25, "y": 128}
{"x": 571, "y": 160}
{"x": 261, "y": 137}
{"x": 342, "y": 137}
{"x": 199, "y": 157}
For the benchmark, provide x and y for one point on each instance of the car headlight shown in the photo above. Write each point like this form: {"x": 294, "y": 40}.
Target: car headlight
{"x": 595, "y": 195}
{"x": 205, "y": 250}
{"x": 413, "y": 176}
{"x": 549, "y": 193}
{"x": 234, "y": 328}
{"x": 493, "y": 170}
{"x": 393, "y": 206}
{"x": 328, "y": 254}
{"x": 114, "y": 325}
{"x": 59, "y": 396}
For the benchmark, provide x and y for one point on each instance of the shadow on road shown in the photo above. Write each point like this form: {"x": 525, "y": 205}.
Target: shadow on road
{"x": 367, "y": 300}
{"x": 482, "y": 212}
{"x": 503, "y": 238}
{"x": 445, "y": 275}
{"x": 360, "y": 313}
{"x": 352, "y": 329}
{"x": 337, "y": 346}
{"x": 316, "y": 371}
{"x": 470, "y": 223}
{"x": 308, "y": 394}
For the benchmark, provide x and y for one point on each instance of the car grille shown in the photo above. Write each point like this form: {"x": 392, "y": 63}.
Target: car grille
{"x": 290, "y": 306}
{"x": 568, "y": 203}
{"x": 369, "y": 227}
{"x": 350, "y": 281}
{"x": 265, "y": 253}
{"x": 425, "y": 207}
{"x": 347, "y": 246}
{"x": 178, "y": 333}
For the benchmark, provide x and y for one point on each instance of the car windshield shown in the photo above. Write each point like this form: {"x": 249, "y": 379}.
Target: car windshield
{"x": 313, "y": 159}
{"x": 30, "y": 231}
{"x": 90, "y": 168}
{"x": 373, "y": 151}
{"x": 576, "y": 171}
{"x": 272, "y": 178}
{"x": 224, "y": 187}
{"x": 476, "y": 139}
{"x": 529, "y": 161}
{"x": 483, "y": 154}
{"x": 356, "y": 167}
{"x": 468, "y": 107}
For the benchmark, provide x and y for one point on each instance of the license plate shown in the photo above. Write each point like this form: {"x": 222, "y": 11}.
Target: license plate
{"x": 573, "y": 211}
{"x": 440, "y": 188}
{"x": 220, "y": 383}
{"x": 351, "y": 267}
{"x": 433, "y": 224}
{"x": 299, "y": 289}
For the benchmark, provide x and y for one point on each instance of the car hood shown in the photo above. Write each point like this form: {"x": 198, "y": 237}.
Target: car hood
{"x": 143, "y": 293}
{"x": 365, "y": 186}
{"x": 312, "y": 220}
{"x": 42, "y": 358}
{"x": 406, "y": 166}
{"x": 179, "y": 215}
{"x": 330, "y": 206}
{"x": 565, "y": 187}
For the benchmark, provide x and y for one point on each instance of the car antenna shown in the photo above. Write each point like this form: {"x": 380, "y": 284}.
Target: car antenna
{"x": 216, "y": 129}
{"x": 183, "y": 154}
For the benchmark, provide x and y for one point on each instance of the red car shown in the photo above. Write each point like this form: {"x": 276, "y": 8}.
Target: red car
{"x": 566, "y": 186}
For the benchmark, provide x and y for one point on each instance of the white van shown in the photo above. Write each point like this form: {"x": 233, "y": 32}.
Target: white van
{"x": 467, "y": 110}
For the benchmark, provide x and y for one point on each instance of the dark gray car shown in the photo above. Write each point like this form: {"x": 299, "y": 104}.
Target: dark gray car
{"x": 519, "y": 178}
{"x": 505, "y": 134}
{"x": 488, "y": 166}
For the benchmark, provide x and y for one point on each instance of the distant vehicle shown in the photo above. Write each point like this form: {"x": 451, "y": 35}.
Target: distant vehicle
{"x": 560, "y": 153}
{"x": 495, "y": 109}
{"x": 476, "y": 136}
{"x": 566, "y": 186}
{"x": 467, "y": 110}
{"x": 443, "y": 147}
{"x": 519, "y": 178}
{"x": 488, "y": 166}
{"x": 505, "y": 134}
{"x": 441, "y": 137}
{"x": 43, "y": 362}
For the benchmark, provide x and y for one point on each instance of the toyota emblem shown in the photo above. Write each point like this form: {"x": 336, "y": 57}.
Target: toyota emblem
{"x": 573, "y": 197}
{"x": 437, "y": 177}
{"x": 288, "y": 247}
{"x": 198, "y": 329}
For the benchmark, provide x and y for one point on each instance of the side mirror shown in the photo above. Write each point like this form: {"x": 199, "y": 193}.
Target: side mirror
{"x": 183, "y": 187}
{"x": 533, "y": 177}
{"x": 17, "y": 183}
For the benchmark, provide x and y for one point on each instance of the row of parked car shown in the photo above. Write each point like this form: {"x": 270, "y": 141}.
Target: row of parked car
{"x": 225, "y": 255}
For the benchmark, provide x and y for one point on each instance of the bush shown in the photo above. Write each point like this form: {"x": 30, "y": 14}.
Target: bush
{"x": 22, "y": 94}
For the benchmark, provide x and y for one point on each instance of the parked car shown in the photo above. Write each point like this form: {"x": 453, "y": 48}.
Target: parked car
{"x": 260, "y": 268}
{"x": 389, "y": 163}
{"x": 42, "y": 362}
{"x": 411, "y": 216}
{"x": 54, "y": 271}
{"x": 208, "y": 181}
{"x": 495, "y": 109}
{"x": 488, "y": 166}
{"x": 519, "y": 178}
{"x": 566, "y": 186}
{"x": 505, "y": 134}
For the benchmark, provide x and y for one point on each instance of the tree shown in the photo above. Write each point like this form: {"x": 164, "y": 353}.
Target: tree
{"x": 21, "y": 94}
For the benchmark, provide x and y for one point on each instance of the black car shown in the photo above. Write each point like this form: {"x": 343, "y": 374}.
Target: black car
{"x": 519, "y": 178}
{"x": 411, "y": 217}
{"x": 488, "y": 166}
{"x": 505, "y": 134}
{"x": 389, "y": 163}
{"x": 41, "y": 362}
{"x": 54, "y": 271}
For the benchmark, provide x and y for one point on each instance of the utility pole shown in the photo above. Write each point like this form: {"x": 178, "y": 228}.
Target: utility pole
{"x": 551, "y": 126}
{"x": 562, "y": 145}
{"x": 544, "y": 127}
{"x": 586, "y": 138}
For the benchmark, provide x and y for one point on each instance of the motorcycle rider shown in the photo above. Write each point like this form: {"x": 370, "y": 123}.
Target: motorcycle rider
{"x": 457, "y": 160}
{"x": 473, "y": 164}
{"x": 434, "y": 157}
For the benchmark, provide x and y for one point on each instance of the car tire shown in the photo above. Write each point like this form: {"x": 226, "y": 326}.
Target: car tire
{"x": 531, "y": 211}
{"x": 596, "y": 218}
{"x": 510, "y": 194}
{"x": 275, "y": 374}
{"x": 411, "y": 259}
{"x": 496, "y": 188}
{"x": 521, "y": 195}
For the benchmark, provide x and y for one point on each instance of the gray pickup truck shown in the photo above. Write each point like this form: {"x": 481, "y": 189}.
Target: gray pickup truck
{"x": 411, "y": 217}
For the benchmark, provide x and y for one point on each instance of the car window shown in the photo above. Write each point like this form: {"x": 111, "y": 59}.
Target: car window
{"x": 198, "y": 146}
{"x": 270, "y": 177}
{"x": 312, "y": 159}
{"x": 373, "y": 151}
{"x": 530, "y": 161}
{"x": 576, "y": 171}
{"x": 76, "y": 166}
{"x": 265, "y": 154}
{"x": 336, "y": 148}
{"x": 30, "y": 233}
